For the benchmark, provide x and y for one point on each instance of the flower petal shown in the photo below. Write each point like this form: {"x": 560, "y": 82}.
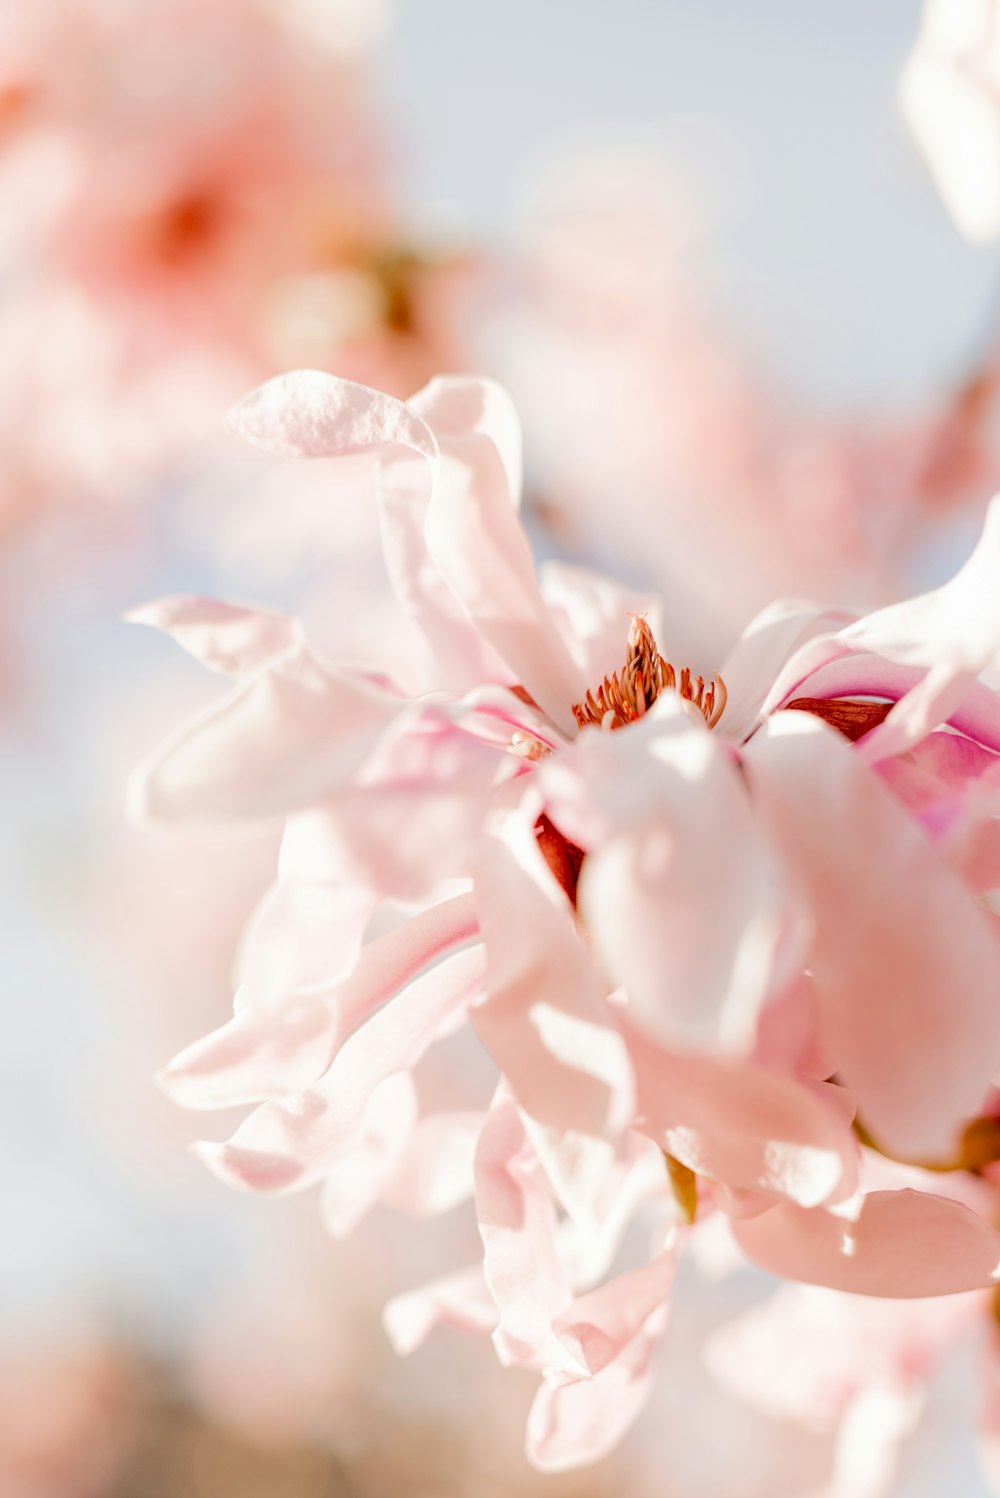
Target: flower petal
{"x": 543, "y": 1019}
{"x": 436, "y": 1168}
{"x": 354, "y": 1182}
{"x": 227, "y": 637}
{"x": 902, "y": 1244}
{"x": 460, "y": 1299}
{"x": 257, "y": 1055}
{"x": 308, "y": 414}
{"x": 475, "y": 539}
{"x": 286, "y": 1146}
{"x": 678, "y": 889}
{"x": 287, "y": 737}
{"x": 598, "y": 1326}
{"x": 575, "y": 1421}
{"x": 407, "y": 822}
{"x": 905, "y": 966}
{"x": 748, "y": 1128}
{"x": 517, "y": 1220}
{"x": 302, "y": 935}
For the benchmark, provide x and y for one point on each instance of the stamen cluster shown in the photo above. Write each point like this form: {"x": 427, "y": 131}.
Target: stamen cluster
{"x": 628, "y": 694}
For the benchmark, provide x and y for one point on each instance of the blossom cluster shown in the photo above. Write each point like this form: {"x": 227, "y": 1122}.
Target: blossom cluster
{"x": 722, "y": 930}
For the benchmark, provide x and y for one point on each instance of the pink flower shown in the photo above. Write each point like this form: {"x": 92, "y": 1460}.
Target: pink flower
{"x": 698, "y": 921}
{"x": 194, "y": 193}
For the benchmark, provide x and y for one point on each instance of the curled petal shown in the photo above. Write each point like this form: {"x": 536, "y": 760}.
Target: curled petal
{"x": 773, "y": 638}
{"x": 955, "y": 626}
{"x": 312, "y": 415}
{"x": 574, "y": 1421}
{"x": 460, "y": 1300}
{"x": 308, "y": 414}
{"x": 475, "y": 538}
{"x": 598, "y": 1326}
{"x": 355, "y": 1182}
{"x": 407, "y": 822}
{"x": 290, "y": 735}
{"x": 517, "y": 1220}
{"x": 288, "y": 1145}
{"x": 226, "y": 637}
{"x": 462, "y": 405}
{"x": 303, "y": 935}
{"x": 902, "y": 1244}
{"x": 257, "y": 1055}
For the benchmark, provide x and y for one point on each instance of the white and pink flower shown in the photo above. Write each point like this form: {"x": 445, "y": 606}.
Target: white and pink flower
{"x": 713, "y": 928}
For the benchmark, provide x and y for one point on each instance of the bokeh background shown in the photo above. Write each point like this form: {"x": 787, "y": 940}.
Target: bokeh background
{"x": 700, "y": 245}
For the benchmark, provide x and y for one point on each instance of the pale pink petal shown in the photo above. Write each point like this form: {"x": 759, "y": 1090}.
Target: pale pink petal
{"x": 770, "y": 640}
{"x": 435, "y": 1170}
{"x": 750, "y": 1129}
{"x": 902, "y": 1244}
{"x": 462, "y": 658}
{"x": 948, "y": 637}
{"x": 285, "y": 1146}
{"x": 460, "y": 1300}
{"x": 590, "y": 1241}
{"x": 289, "y": 736}
{"x": 678, "y": 890}
{"x": 308, "y": 414}
{"x": 275, "y": 1052}
{"x": 463, "y": 405}
{"x": 937, "y": 698}
{"x": 407, "y": 822}
{"x": 953, "y": 631}
{"x": 904, "y": 965}
{"x": 577, "y": 1421}
{"x": 977, "y": 715}
{"x": 228, "y": 637}
{"x": 475, "y": 538}
{"x": 257, "y": 1055}
{"x": 302, "y": 935}
{"x": 938, "y": 770}
{"x": 353, "y": 1184}
{"x": 499, "y": 717}
{"x": 543, "y": 1019}
{"x": 788, "y": 1036}
{"x": 598, "y": 1326}
{"x": 517, "y": 1220}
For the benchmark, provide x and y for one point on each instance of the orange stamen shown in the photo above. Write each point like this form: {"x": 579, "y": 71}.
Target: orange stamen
{"x": 627, "y": 695}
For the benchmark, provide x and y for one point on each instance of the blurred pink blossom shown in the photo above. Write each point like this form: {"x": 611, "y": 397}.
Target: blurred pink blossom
{"x": 646, "y": 400}
{"x": 196, "y": 194}
{"x": 706, "y": 954}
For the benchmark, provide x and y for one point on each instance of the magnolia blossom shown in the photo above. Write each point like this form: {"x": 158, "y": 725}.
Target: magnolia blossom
{"x": 720, "y": 932}
{"x": 950, "y": 92}
{"x": 195, "y": 192}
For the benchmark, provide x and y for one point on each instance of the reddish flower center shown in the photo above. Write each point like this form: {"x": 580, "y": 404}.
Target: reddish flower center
{"x": 627, "y": 695}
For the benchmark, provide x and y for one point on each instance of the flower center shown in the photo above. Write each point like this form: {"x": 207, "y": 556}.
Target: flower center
{"x": 627, "y": 695}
